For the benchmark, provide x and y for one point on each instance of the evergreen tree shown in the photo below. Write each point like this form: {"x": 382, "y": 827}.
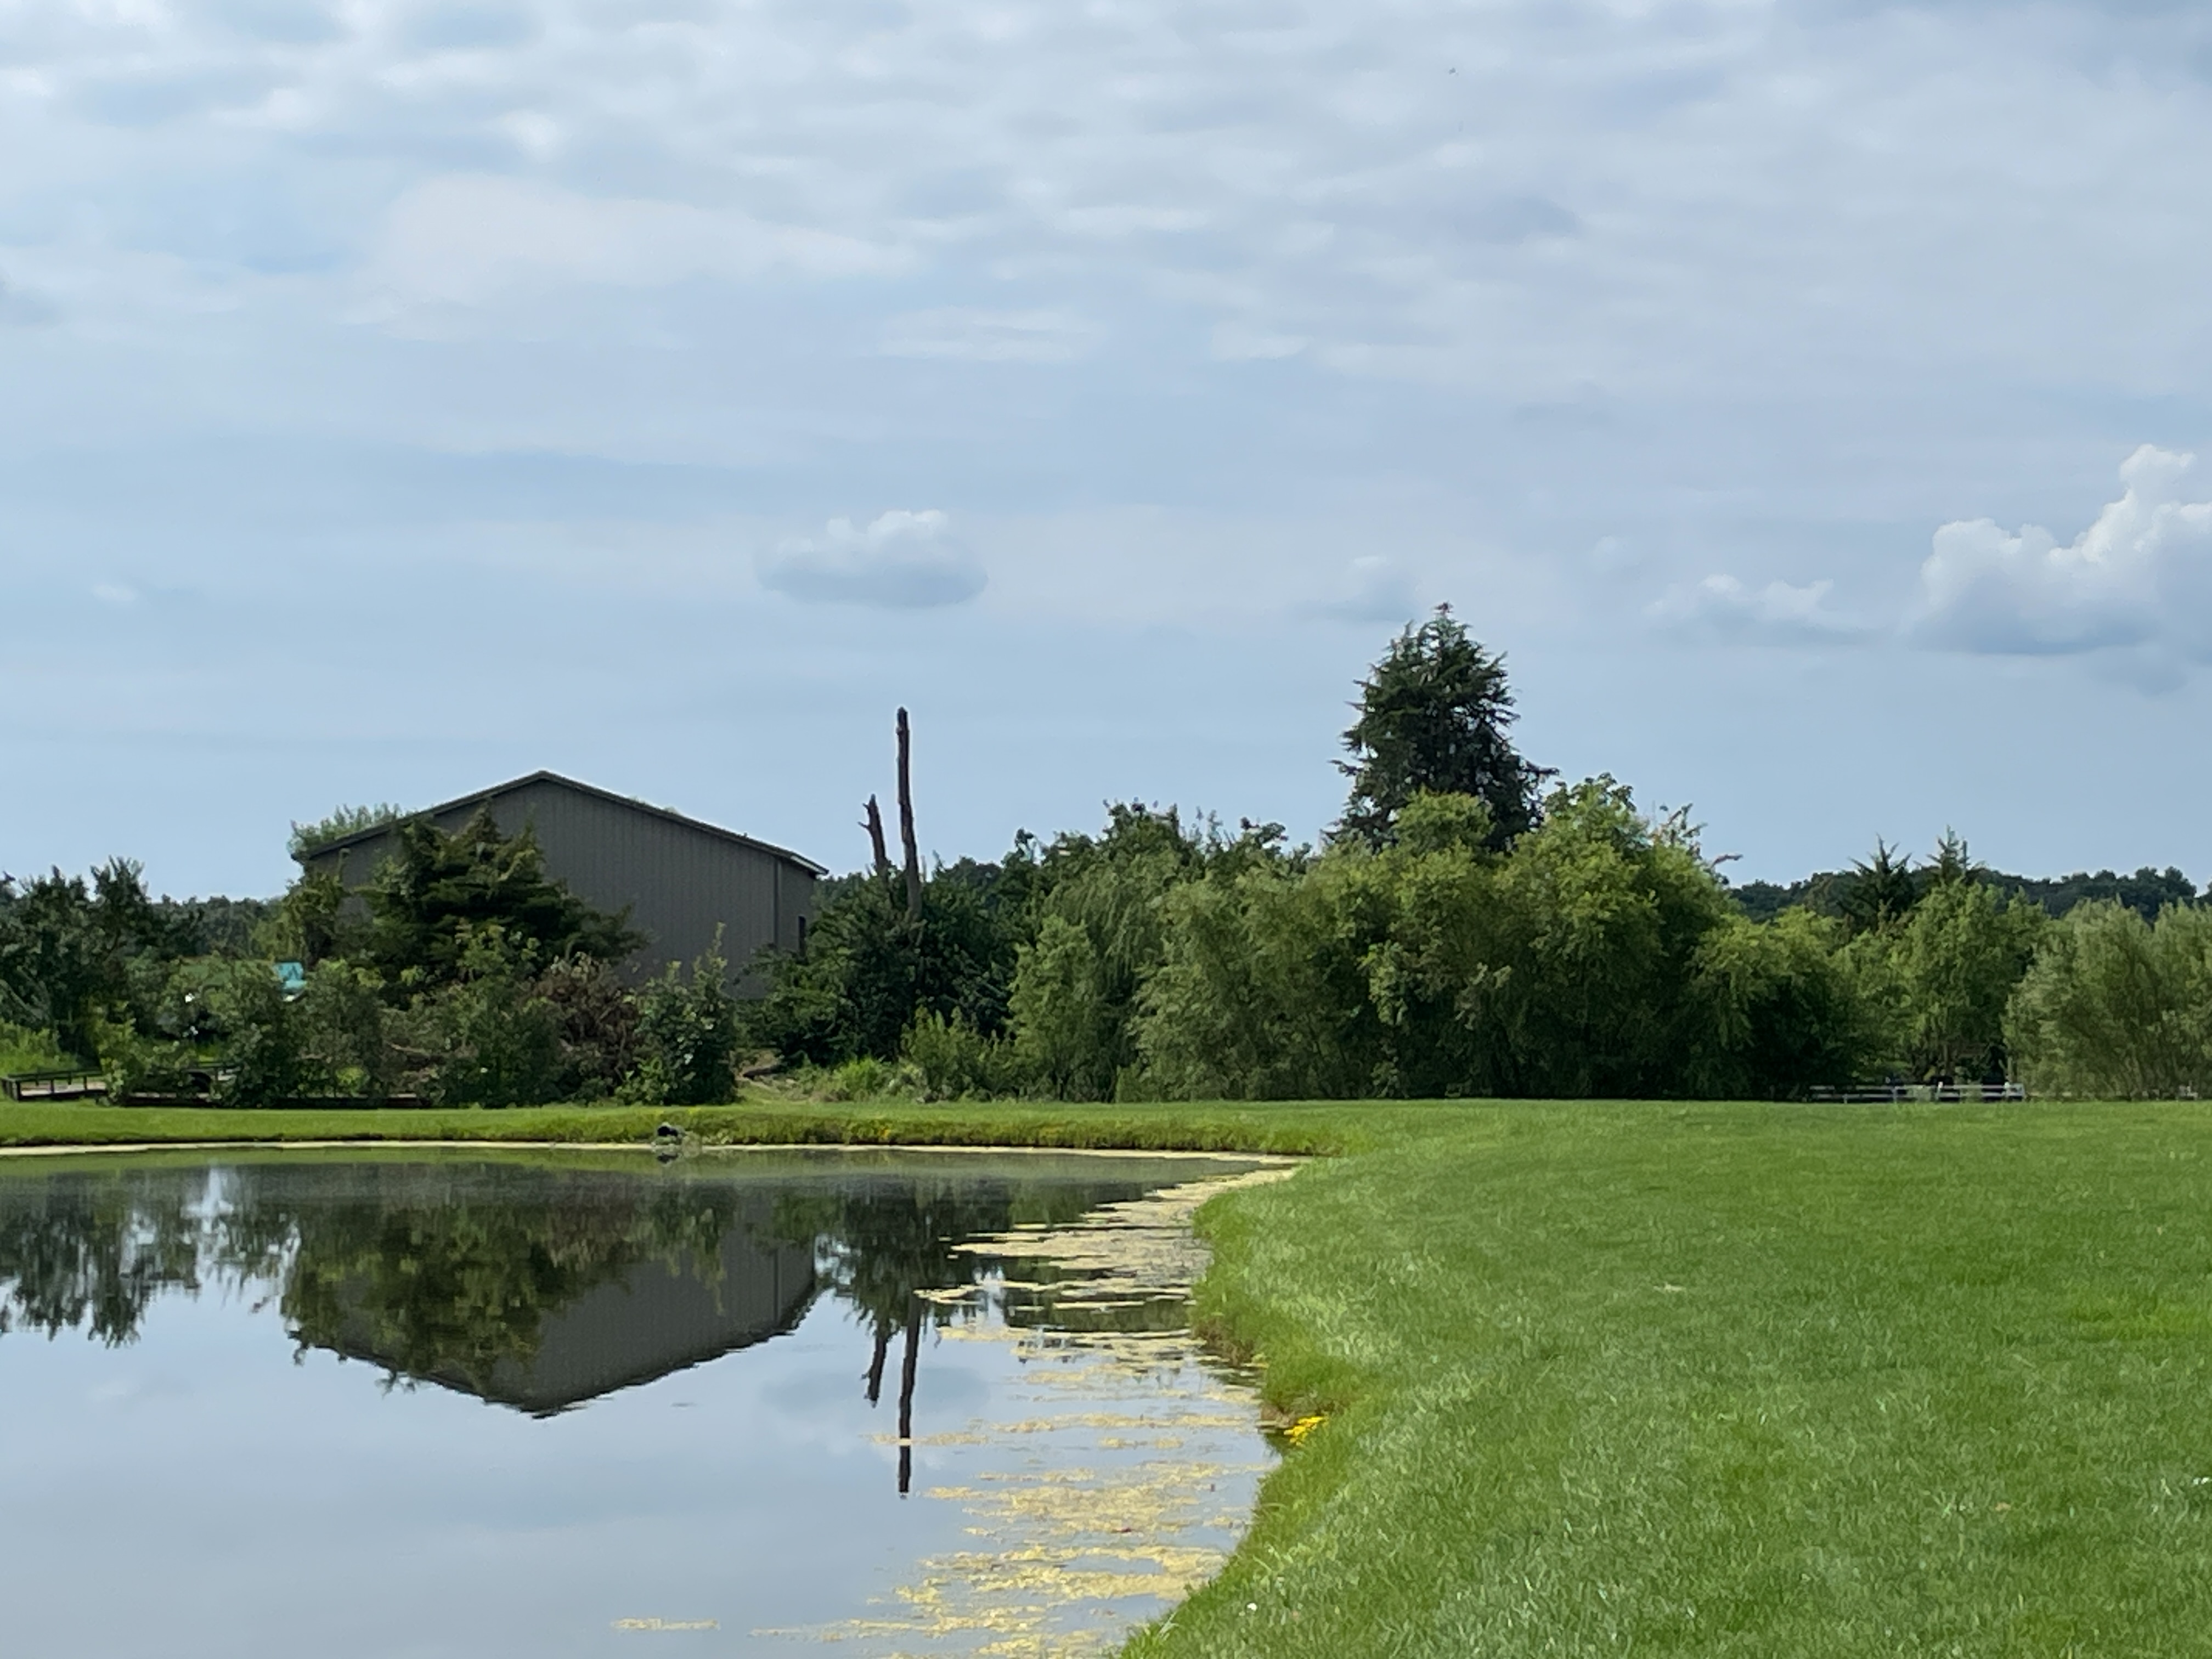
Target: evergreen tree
{"x": 440, "y": 892}
{"x": 1433, "y": 715}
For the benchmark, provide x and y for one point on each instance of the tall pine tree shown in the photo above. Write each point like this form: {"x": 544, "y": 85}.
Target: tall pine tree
{"x": 1433, "y": 715}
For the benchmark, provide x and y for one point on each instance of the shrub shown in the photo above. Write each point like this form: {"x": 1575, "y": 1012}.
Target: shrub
{"x": 957, "y": 1061}
{"x": 2116, "y": 1006}
{"x": 686, "y": 1036}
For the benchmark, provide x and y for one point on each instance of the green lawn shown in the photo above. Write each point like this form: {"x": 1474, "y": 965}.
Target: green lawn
{"x": 1661, "y": 1378}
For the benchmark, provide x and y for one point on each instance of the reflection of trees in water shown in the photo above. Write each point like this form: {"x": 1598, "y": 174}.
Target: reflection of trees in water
{"x": 85, "y": 1252}
{"x": 884, "y": 1242}
{"x": 435, "y": 1270}
{"x": 448, "y": 1271}
{"x": 435, "y": 1277}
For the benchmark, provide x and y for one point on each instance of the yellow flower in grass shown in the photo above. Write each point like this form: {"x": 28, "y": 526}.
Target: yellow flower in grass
{"x": 1297, "y": 1433}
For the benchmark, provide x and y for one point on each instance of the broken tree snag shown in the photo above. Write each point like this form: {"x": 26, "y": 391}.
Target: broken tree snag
{"x": 875, "y": 826}
{"x": 906, "y": 823}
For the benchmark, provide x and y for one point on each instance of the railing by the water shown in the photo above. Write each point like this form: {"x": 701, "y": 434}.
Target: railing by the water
{"x": 55, "y": 1086}
{"x": 1896, "y": 1092}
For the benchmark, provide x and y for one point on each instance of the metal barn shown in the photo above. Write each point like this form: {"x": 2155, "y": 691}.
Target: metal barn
{"x": 679, "y": 878}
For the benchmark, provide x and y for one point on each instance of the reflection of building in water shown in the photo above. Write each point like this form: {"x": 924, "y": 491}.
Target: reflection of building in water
{"x": 648, "y": 1320}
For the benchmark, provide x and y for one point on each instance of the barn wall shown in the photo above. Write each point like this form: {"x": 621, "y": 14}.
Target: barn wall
{"x": 678, "y": 881}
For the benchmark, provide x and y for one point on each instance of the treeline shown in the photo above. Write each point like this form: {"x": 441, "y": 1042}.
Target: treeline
{"x": 462, "y": 974}
{"x": 1872, "y": 882}
{"x": 1470, "y": 928}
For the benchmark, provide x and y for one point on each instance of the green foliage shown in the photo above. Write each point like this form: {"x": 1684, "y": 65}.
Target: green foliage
{"x": 1955, "y": 963}
{"x": 70, "y": 954}
{"x": 1782, "y": 1011}
{"x": 313, "y": 921}
{"x": 343, "y": 821}
{"x": 687, "y": 1036}
{"x": 23, "y": 1049}
{"x": 2116, "y": 1007}
{"x": 955, "y": 1061}
{"x": 865, "y": 1077}
{"x": 1892, "y": 886}
{"x": 599, "y": 1017}
{"x": 868, "y": 970}
{"x": 1433, "y": 716}
{"x": 487, "y": 1036}
{"x": 439, "y": 892}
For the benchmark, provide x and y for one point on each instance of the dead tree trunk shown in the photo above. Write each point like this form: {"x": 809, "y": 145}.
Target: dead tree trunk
{"x": 875, "y": 828}
{"x": 906, "y": 823}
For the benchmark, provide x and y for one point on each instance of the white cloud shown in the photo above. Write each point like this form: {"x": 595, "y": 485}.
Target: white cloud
{"x": 465, "y": 238}
{"x": 115, "y": 593}
{"x": 1725, "y": 606}
{"x": 900, "y": 561}
{"x": 2138, "y": 578}
{"x": 990, "y": 337}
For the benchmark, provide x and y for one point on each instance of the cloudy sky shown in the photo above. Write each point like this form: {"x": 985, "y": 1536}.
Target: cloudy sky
{"x": 401, "y": 396}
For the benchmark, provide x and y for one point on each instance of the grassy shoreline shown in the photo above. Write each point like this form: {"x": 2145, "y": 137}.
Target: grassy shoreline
{"x": 1712, "y": 1379}
{"x": 1327, "y": 1128}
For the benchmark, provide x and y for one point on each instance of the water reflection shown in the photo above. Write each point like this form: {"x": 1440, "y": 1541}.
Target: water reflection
{"x": 535, "y": 1287}
{"x": 1004, "y": 1338}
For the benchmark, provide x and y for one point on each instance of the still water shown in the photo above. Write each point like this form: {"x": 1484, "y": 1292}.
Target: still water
{"x": 377, "y": 1405}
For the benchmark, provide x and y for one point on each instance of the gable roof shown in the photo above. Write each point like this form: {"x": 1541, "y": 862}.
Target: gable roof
{"x": 482, "y": 796}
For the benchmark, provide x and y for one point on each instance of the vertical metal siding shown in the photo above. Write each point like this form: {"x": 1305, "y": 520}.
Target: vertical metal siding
{"x": 679, "y": 883}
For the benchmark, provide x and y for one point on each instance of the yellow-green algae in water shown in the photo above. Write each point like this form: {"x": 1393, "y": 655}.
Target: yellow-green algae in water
{"x": 1072, "y": 1550}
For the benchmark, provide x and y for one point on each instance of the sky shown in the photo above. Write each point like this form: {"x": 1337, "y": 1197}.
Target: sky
{"x": 402, "y": 396}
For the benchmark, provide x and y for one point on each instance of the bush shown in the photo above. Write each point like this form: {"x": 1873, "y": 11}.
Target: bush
{"x": 686, "y": 1036}
{"x": 864, "y": 1079}
{"x": 22, "y": 1049}
{"x": 958, "y": 1062}
{"x": 2118, "y": 1007}
{"x": 490, "y": 1037}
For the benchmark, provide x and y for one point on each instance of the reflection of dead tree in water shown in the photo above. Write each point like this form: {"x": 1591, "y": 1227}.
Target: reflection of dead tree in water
{"x": 876, "y": 1364}
{"x": 908, "y": 1362}
{"x": 906, "y": 1395}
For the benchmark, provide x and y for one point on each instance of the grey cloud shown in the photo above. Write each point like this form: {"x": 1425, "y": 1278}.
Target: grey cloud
{"x": 134, "y": 101}
{"x": 1514, "y": 219}
{"x": 283, "y": 22}
{"x": 992, "y": 336}
{"x": 900, "y": 560}
{"x": 470, "y": 27}
{"x": 21, "y": 310}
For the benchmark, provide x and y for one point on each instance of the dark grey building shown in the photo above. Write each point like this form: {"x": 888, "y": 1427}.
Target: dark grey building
{"x": 679, "y": 878}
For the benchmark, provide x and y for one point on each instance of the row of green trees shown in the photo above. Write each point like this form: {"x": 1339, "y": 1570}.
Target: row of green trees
{"x": 461, "y": 975}
{"x": 1470, "y": 927}
{"x": 1462, "y": 934}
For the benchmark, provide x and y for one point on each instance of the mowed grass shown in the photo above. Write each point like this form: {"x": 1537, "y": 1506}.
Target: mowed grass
{"x": 1731, "y": 1380}
{"x": 1652, "y": 1378}
{"x": 1331, "y": 1127}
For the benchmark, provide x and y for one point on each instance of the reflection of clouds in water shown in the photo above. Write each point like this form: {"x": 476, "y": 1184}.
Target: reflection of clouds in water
{"x": 1090, "y": 1520}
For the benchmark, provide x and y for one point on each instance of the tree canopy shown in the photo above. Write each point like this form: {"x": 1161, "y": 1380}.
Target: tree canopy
{"x": 1433, "y": 717}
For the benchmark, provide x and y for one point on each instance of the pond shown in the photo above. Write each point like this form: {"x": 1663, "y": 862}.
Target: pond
{"x": 426, "y": 1403}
